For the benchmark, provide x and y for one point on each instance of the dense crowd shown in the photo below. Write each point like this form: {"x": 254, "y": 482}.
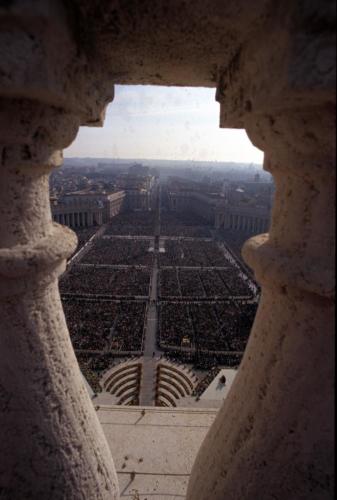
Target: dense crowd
{"x": 175, "y": 327}
{"x": 128, "y": 329}
{"x": 97, "y": 362}
{"x": 89, "y": 322}
{"x": 184, "y": 224}
{"x": 175, "y": 282}
{"x": 206, "y": 328}
{"x": 209, "y": 359}
{"x": 94, "y": 364}
{"x": 218, "y": 326}
{"x": 205, "y": 360}
{"x": 190, "y": 283}
{"x": 114, "y": 251}
{"x": 168, "y": 283}
{"x": 192, "y": 253}
{"x": 235, "y": 239}
{"x": 105, "y": 325}
{"x": 227, "y": 326}
{"x": 93, "y": 280}
{"x": 91, "y": 376}
{"x": 234, "y": 281}
{"x": 185, "y": 231}
{"x": 179, "y": 356}
{"x": 182, "y": 219}
{"x": 132, "y": 223}
{"x": 203, "y": 333}
{"x": 213, "y": 284}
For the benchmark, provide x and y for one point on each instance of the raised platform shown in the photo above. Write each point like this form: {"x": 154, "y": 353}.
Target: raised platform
{"x": 217, "y": 391}
{"x": 154, "y": 448}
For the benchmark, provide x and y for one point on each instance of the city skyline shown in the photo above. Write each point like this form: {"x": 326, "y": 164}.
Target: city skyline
{"x": 167, "y": 123}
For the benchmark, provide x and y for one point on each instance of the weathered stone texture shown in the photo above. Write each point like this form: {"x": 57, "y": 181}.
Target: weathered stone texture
{"x": 273, "y": 68}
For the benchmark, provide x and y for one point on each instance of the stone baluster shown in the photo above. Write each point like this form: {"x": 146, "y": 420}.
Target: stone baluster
{"x": 273, "y": 437}
{"x": 52, "y": 445}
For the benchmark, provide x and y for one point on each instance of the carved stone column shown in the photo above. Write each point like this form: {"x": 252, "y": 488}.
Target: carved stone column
{"x": 273, "y": 438}
{"x": 52, "y": 445}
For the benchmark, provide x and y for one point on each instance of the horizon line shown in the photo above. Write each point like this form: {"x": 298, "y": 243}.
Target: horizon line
{"x": 156, "y": 159}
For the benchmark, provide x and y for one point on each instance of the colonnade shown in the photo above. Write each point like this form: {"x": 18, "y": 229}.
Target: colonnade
{"x": 78, "y": 219}
{"x": 247, "y": 223}
{"x": 115, "y": 207}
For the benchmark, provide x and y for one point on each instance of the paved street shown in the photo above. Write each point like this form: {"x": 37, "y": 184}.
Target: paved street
{"x": 147, "y": 389}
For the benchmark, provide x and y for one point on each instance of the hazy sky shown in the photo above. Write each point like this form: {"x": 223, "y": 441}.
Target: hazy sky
{"x": 170, "y": 123}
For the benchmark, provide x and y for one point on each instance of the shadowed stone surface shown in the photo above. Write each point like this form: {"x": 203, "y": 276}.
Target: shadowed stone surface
{"x": 273, "y": 66}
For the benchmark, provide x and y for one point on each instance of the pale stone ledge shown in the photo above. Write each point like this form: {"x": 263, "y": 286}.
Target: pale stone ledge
{"x": 154, "y": 448}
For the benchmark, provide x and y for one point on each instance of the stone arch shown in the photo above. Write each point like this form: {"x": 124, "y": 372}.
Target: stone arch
{"x": 274, "y": 76}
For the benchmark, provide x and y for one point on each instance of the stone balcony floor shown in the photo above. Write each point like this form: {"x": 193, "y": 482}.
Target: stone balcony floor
{"x": 154, "y": 448}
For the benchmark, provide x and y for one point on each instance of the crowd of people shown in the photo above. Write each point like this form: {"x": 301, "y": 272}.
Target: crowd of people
{"x": 234, "y": 244}
{"x": 235, "y": 282}
{"x": 93, "y": 364}
{"x": 89, "y": 322}
{"x": 128, "y": 330}
{"x": 97, "y": 362}
{"x": 177, "y": 282}
{"x": 91, "y": 376}
{"x": 104, "y": 325}
{"x": 190, "y": 283}
{"x": 132, "y": 223}
{"x": 235, "y": 239}
{"x": 217, "y": 326}
{"x": 185, "y": 231}
{"x": 184, "y": 224}
{"x": 179, "y": 356}
{"x": 206, "y": 328}
{"x": 119, "y": 251}
{"x": 200, "y": 332}
{"x": 168, "y": 283}
{"x": 192, "y": 254}
{"x": 213, "y": 284}
{"x": 175, "y": 326}
{"x": 204, "y": 360}
{"x": 181, "y": 219}
{"x": 128, "y": 282}
{"x": 227, "y": 325}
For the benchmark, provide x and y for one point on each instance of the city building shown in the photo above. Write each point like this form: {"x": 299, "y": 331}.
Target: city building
{"x": 249, "y": 219}
{"x": 243, "y": 207}
{"x": 138, "y": 184}
{"x": 85, "y": 209}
